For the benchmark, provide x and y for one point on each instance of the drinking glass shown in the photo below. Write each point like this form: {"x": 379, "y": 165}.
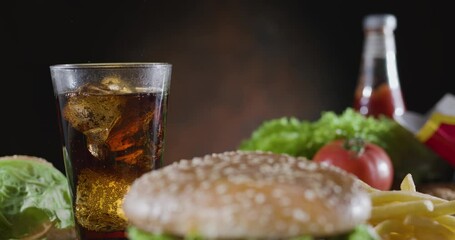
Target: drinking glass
{"x": 112, "y": 119}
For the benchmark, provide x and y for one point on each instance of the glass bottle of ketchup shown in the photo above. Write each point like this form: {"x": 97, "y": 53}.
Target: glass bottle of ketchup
{"x": 378, "y": 89}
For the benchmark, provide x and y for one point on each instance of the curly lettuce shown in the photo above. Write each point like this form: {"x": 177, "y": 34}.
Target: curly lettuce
{"x": 33, "y": 194}
{"x": 283, "y": 135}
{"x": 304, "y": 138}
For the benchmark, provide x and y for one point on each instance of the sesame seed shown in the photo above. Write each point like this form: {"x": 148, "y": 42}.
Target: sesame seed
{"x": 259, "y": 198}
{"x": 300, "y": 215}
{"x": 309, "y": 195}
{"x": 197, "y": 161}
{"x": 301, "y": 164}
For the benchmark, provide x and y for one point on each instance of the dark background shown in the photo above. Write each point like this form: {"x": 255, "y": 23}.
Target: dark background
{"x": 236, "y": 63}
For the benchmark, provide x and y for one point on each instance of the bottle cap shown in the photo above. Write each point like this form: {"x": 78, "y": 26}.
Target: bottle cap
{"x": 378, "y": 21}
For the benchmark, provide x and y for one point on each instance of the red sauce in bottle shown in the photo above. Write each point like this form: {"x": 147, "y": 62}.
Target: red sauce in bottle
{"x": 382, "y": 100}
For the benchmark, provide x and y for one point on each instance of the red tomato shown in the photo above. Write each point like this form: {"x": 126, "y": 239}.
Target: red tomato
{"x": 367, "y": 161}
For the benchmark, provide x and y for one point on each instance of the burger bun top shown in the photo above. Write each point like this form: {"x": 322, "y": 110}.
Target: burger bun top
{"x": 247, "y": 195}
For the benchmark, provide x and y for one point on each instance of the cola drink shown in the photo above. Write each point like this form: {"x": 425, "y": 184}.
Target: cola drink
{"x": 106, "y": 159}
{"x": 112, "y": 120}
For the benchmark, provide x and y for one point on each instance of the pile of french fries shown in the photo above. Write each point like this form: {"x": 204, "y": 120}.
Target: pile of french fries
{"x": 411, "y": 215}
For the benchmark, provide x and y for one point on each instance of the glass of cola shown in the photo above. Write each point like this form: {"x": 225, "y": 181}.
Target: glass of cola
{"x": 112, "y": 119}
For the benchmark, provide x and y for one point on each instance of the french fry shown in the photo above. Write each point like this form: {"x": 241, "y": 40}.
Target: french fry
{"x": 429, "y": 225}
{"x": 393, "y": 229}
{"x": 427, "y": 228}
{"x": 398, "y": 210}
{"x": 408, "y": 184}
{"x": 408, "y": 214}
{"x": 390, "y": 226}
{"x": 447, "y": 208}
{"x": 386, "y": 197}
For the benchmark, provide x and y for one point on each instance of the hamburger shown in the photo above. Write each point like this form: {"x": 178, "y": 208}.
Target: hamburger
{"x": 247, "y": 195}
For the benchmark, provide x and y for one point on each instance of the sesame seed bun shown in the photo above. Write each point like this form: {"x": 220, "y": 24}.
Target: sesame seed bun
{"x": 247, "y": 195}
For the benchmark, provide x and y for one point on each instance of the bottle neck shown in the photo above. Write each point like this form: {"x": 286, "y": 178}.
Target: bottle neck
{"x": 378, "y": 44}
{"x": 379, "y": 57}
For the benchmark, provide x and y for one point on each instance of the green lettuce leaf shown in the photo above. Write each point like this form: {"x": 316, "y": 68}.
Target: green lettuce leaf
{"x": 303, "y": 138}
{"x": 32, "y": 193}
{"x": 135, "y": 233}
{"x": 361, "y": 232}
{"x": 283, "y": 135}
